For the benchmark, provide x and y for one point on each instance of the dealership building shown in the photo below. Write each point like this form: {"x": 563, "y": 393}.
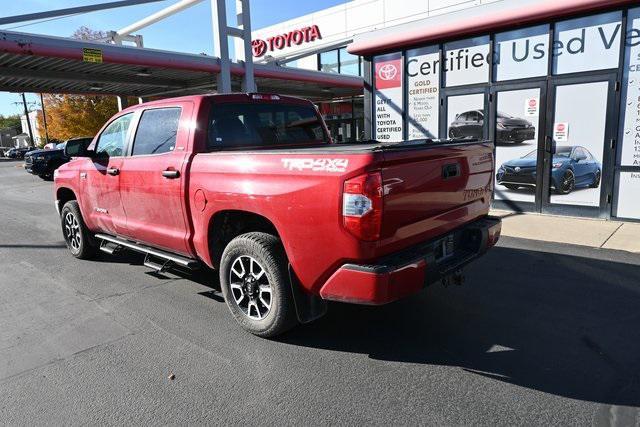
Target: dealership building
{"x": 555, "y": 84}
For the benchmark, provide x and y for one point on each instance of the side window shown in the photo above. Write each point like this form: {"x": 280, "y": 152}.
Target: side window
{"x": 157, "y": 131}
{"x": 472, "y": 116}
{"x": 112, "y": 140}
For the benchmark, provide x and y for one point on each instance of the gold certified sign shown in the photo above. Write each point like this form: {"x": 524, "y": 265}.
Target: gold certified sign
{"x": 92, "y": 55}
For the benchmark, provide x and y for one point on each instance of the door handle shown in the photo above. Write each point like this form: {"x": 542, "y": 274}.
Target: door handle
{"x": 171, "y": 174}
{"x": 113, "y": 171}
{"x": 549, "y": 145}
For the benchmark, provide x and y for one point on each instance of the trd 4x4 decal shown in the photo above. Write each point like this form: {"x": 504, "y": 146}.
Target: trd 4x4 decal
{"x": 317, "y": 165}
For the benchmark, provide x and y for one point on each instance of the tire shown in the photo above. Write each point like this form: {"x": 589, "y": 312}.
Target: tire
{"x": 252, "y": 263}
{"x": 568, "y": 183}
{"x": 511, "y": 186}
{"x": 596, "y": 180}
{"x": 452, "y": 133}
{"x": 78, "y": 238}
{"x": 46, "y": 177}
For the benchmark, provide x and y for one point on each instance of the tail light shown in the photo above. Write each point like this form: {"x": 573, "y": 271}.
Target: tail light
{"x": 362, "y": 206}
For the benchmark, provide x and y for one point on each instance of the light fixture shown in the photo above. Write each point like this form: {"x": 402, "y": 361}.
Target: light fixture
{"x": 143, "y": 73}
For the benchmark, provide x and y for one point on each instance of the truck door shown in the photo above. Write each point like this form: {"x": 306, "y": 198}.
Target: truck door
{"x": 151, "y": 179}
{"x": 100, "y": 178}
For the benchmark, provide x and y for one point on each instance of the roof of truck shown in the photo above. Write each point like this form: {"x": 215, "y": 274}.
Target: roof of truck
{"x": 229, "y": 97}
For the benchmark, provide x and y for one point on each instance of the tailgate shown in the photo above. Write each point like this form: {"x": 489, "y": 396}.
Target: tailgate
{"x": 432, "y": 189}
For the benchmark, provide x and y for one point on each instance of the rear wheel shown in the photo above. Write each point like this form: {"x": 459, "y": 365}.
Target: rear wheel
{"x": 596, "y": 180}
{"x": 77, "y": 236}
{"x": 255, "y": 284}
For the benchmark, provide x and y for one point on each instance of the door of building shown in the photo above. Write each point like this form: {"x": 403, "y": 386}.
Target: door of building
{"x": 517, "y": 129}
{"x": 579, "y": 147}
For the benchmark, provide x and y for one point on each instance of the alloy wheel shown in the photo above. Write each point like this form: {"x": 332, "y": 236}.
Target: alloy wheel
{"x": 72, "y": 231}
{"x": 250, "y": 287}
{"x": 568, "y": 182}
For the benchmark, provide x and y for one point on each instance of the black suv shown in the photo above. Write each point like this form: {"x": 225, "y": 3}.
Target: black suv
{"x": 44, "y": 162}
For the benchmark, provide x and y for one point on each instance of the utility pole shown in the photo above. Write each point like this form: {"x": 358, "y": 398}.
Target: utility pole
{"x": 26, "y": 113}
{"x": 44, "y": 120}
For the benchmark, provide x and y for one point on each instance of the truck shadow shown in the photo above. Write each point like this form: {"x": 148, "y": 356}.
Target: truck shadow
{"x": 560, "y": 324}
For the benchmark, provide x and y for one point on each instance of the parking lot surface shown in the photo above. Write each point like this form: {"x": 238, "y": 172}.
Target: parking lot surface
{"x": 541, "y": 333}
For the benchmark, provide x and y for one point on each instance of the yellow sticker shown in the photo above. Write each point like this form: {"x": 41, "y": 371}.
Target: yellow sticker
{"x": 92, "y": 55}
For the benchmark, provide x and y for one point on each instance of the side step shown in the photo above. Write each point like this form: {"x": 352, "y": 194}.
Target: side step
{"x": 111, "y": 244}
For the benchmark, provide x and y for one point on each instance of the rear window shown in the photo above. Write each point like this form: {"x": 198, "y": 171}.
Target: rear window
{"x": 263, "y": 125}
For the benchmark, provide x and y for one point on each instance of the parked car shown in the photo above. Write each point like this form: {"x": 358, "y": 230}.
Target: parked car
{"x": 252, "y": 185}
{"x": 18, "y": 153}
{"x": 573, "y": 167}
{"x": 508, "y": 128}
{"x": 44, "y": 162}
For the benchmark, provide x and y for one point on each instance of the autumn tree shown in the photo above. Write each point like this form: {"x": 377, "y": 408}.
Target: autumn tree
{"x": 71, "y": 116}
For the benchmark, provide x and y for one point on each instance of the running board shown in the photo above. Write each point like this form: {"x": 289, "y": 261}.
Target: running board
{"x": 168, "y": 257}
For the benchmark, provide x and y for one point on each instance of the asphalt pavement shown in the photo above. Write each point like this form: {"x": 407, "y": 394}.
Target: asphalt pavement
{"x": 541, "y": 333}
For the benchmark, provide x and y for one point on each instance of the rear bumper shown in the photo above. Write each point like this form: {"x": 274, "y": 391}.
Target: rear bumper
{"x": 408, "y": 272}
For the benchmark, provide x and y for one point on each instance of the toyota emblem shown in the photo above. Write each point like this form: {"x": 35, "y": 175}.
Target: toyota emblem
{"x": 517, "y": 169}
{"x": 259, "y": 47}
{"x": 387, "y": 72}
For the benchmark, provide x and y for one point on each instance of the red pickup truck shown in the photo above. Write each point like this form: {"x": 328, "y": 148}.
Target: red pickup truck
{"x": 252, "y": 185}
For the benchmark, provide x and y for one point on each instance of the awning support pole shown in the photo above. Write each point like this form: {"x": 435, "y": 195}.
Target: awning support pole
{"x": 221, "y": 34}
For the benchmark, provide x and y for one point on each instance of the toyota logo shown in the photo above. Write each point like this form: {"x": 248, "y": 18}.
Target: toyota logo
{"x": 259, "y": 47}
{"x": 387, "y": 72}
{"x": 517, "y": 169}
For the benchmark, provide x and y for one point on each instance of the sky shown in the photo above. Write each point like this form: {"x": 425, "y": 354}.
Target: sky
{"x": 188, "y": 31}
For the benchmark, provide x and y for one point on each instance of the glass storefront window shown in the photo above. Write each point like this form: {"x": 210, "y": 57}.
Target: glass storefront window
{"x": 628, "y": 205}
{"x": 423, "y": 90}
{"x": 329, "y": 61}
{"x": 349, "y": 64}
{"x": 466, "y": 61}
{"x": 521, "y": 53}
{"x": 586, "y": 44}
{"x": 466, "y": 116}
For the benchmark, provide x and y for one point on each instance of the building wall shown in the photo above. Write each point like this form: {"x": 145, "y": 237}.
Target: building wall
{"x": 339, "y": 24}
{"x": 560, "y": 100}
{"x": 33, "y": 120}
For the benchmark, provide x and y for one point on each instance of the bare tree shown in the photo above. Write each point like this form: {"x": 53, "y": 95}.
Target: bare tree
{"x": 86, "y": 33}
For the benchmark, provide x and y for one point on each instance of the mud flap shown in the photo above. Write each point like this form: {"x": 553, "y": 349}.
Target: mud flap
{"x": 309, "y": 307}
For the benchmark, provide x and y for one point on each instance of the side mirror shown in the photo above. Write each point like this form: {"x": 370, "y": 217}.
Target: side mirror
{"x": 76, "y": 148}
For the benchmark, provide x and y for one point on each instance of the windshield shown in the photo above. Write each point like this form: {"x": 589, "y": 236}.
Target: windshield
{"x": 264, "y": 124}
{"x": 502, "y": 115}
{"x": 531, "y": 155}
{"x": 563, "y": 152}
{"x": 61, "y": 146}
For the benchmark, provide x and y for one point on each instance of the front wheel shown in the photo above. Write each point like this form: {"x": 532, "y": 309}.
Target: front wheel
{"x": 255, "y": 284}
{"x": 568, "y": 183}
{"x": 77, "y": 236}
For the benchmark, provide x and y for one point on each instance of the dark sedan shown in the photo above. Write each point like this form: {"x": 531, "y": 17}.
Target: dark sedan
{"x": 573, "y": 167}
{"x": 18, "y": 153}
{"x": 508, "y": 128}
